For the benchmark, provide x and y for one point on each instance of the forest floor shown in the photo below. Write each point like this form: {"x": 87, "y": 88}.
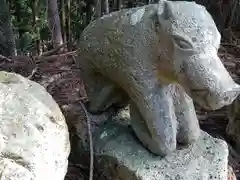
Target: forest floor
{"x": 60, "y": 76}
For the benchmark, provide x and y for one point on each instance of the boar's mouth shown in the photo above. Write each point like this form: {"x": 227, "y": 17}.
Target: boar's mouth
{"x": 211, "y": 101}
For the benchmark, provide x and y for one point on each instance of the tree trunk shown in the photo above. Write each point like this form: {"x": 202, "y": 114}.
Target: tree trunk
{"x": 98, "y": 8}
{"x": 68, "y": 24}
{"x": 17, "y": 14}
{"x": 89, "y": 10}
{"x": 63, "y": 20}
{"x": 54, "y": 23}
{"x": 35, "y": 26}
{"x": 233, "y": 127}
{"x": 106, "y": 4}
{"x": 7, "y": 40}
{"x": 232, "y": 13}
{"x": 130, "y": 4}
{"x": 115, "y": 5}
{"x": 119, "y": 4}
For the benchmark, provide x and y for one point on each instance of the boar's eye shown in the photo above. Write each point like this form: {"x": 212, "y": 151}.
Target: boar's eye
{"x": 182, "y": 43}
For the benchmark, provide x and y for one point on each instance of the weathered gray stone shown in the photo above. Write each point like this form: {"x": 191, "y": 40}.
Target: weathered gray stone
{"x": 138, "y": 54}
{"x": 120, "y": 156}
{"x": 34, "y": 136}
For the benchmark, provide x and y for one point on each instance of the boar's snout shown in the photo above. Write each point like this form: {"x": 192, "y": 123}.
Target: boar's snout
{"x": 209, "y": 83}
{"x": 216, "y": 102}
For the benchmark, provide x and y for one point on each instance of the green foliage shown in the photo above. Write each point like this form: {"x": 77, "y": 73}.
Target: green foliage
{"x": 27, "y": 32}
{"x": 22, "y": 20}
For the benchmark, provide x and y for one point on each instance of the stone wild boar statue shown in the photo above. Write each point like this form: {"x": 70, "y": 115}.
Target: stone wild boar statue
{"x": 158, "y": 58}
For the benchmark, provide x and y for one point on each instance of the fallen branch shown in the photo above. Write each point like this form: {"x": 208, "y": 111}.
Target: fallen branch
{"x": 5, "y": 58}
{"x": 90, "y": 142}
{"x": 52, "y": 51}
{"x": 53, "y": 57}
{"x": 32, "y": 74}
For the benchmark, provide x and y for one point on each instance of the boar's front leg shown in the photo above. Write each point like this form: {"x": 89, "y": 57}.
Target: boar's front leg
{"x": 153, "y": 117}
{"x": 188, "y": 126}
{"x": 144, "y": 135}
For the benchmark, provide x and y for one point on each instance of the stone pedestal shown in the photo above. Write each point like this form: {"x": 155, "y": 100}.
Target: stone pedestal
{"x": 120, "y": 156}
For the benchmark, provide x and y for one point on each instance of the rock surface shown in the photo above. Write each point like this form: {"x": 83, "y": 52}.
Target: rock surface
{"x": 120, "y": 156}
{"x": 34, "y": 135}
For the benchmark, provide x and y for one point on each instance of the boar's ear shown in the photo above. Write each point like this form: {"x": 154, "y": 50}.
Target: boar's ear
{"x": 163, "y": 16}
{"x": 163, "y": 11}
